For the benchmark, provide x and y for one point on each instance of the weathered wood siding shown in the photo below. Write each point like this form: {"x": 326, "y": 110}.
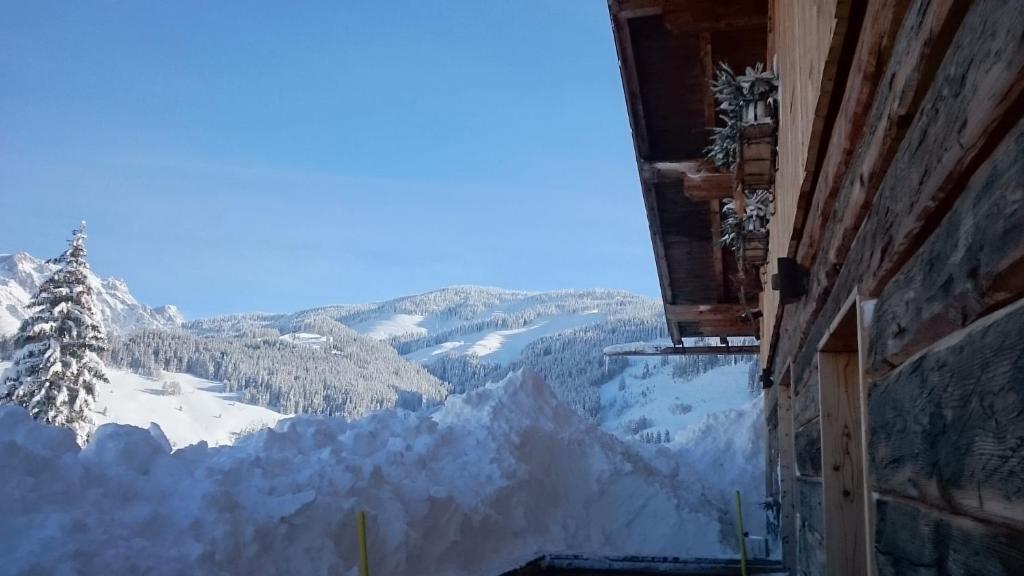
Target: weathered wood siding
{"x": 922, "y": 542}
{"x": 947, "y": 428}
{"x": 806, "y": 36}
{"x": 916, "y": 202}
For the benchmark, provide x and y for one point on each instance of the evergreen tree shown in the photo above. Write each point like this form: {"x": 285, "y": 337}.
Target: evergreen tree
{"x": 56, "y": 366}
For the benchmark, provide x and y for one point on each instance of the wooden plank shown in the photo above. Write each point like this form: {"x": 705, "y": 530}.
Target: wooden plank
{"x": 842, "y": 464}
{"x": 630, "y": 80}
{"x": 947, "y": 427}
{"x": 725, "y": 314}
{"x": 718, "y": 267}
{"x": 702, "y": 16}
{"x": 949, "y": 109}
{"x": 875, "y": 41}
{"x": 708, "y": 70}
{"x": 787, "y": 473}
{"x": 804, "y": 39}
{"x": 708, "y": 187}
{"x": 625, "y": 9}
{"x": 842, "y": 453}
{"x": 864, "y": 320}
{"x": 807, "y": 449}
{"x": 806, "y": 403}
{"x": 972, "y": 264}
{"x": 918, "y": 45}
{"x": 984, "y": 76}
{"x": 678, "y": 171}
{"x": 912, "y": 539}
{"x": 810, "y": 537}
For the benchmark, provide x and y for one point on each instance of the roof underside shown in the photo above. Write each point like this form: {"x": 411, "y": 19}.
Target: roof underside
{"x": 667, "y": 50}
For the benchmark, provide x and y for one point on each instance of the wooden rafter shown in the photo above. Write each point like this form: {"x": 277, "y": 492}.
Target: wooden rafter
{"x": 708, "y": 71}
{"x": 709, "y": 187}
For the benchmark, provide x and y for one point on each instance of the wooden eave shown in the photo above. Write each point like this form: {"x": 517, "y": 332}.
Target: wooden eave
{"x": 667, "y": 50}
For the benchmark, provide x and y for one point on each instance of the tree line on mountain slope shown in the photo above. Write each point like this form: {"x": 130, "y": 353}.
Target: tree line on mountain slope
{"x": 350, "y": 376}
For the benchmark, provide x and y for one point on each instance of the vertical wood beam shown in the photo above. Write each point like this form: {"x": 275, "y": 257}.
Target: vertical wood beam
{"x": 787, "y": 468}
{"x": 708, "y": 69}
{"x": 842, "y": 451}
{"x": 716, "y": 248}
{"x": 865, "y": 310}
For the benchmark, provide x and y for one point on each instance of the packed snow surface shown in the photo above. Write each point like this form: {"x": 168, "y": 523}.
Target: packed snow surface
{"x": 200, "y": 412}
{"x": 474, "y": 487}
{"x": 664, "y": 402}
{"x": 195, "y": 410}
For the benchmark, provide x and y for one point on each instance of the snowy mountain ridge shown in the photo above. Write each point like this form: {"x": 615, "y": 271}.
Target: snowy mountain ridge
{"x": 467, "y": 336}
{"x": 20, "y": 277}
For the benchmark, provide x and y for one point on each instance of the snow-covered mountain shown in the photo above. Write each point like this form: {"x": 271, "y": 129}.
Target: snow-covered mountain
{"x": 467, "y": 336}
{"x": 20, "y": 277}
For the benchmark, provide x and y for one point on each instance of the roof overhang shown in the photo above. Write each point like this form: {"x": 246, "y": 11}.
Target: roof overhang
{"x": 667, "y": 52}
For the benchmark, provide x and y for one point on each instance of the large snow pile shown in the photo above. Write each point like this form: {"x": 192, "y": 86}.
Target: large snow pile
{"x": 477, "y": 486}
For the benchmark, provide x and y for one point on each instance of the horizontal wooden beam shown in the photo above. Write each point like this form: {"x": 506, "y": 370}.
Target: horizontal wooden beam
{"x": 676, "y": 170}
{"x": 635, "y": 8}
{"x": 744, "y": 350}
{"x": 698, "y": 16}
{"x": 709, "y": 187}
{"x": 710, "y": 313}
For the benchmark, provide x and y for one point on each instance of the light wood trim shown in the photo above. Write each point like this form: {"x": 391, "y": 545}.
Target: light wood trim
{"x": 842, "y": 451}
{"x": 864, "y": 317}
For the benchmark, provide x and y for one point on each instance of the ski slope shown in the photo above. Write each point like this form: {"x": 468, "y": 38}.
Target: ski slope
{"x": 506, "y": 346}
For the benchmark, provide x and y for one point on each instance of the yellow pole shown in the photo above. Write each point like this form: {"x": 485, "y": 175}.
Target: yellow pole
{"x": 740, "y": 531}
{"x": 364, "y": 562}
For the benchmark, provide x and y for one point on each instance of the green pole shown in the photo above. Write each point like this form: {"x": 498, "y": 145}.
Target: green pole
{"x": 364, "y": 562}
{"x": 740, "y": 532}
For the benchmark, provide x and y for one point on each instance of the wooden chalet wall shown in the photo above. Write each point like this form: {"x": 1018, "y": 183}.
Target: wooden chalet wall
{"x": 901, "y": 372}
{"x": 806, "y": 40}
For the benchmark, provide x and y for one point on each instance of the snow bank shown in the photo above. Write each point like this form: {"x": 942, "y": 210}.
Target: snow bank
{"x": 477, "y": 486}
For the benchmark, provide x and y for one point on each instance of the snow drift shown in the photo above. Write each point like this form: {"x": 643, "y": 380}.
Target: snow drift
{"x": 479, "y": 485}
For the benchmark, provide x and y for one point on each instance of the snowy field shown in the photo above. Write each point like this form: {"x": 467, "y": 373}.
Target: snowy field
{"x": 474, "y": 487}
{"x": 666, "y": 402}
{"x": 200, "y": 412}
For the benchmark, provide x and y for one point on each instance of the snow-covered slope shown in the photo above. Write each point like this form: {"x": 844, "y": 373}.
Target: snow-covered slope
{"x": 200, "y": 412}
{"x": 20, "y": 277}
{"x": 188, "y": 409}
{"x": 649, "y": 398}
{"x": 467, "y": 336}
{"x": 481, "y": 484}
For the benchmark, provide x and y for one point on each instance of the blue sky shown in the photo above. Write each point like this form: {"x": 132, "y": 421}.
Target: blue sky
{"x": 236, "y": 156}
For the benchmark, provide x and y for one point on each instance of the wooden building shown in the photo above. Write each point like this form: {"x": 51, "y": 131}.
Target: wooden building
{"x": 892, "y": 345}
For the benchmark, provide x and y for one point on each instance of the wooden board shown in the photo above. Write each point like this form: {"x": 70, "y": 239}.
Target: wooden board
{"x": 972, "y": 264}
{"x": 810, "y": 547}
{"x": 875, "y": 41}
{"x": 806, "y": 404}
{"x": 806, "y": 39}
{"x": 917, "y": 540}
{"x": 807, "y": 449}
{"x": 834, "y": 274}
{"x": 842, "y": 453}
{"x": 947, "y": 427}
{"x": 708, "y": 186}
{"x": 787, "y": 473}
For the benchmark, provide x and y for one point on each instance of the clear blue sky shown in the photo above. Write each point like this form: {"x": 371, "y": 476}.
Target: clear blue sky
{"x": 239, "y": 156}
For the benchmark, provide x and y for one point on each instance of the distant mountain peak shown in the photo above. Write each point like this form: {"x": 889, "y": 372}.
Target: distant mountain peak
{"x": 20, "y": 277}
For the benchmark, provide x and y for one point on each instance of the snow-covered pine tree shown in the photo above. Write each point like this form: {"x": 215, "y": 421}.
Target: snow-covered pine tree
{"x": 56, "y": 364}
